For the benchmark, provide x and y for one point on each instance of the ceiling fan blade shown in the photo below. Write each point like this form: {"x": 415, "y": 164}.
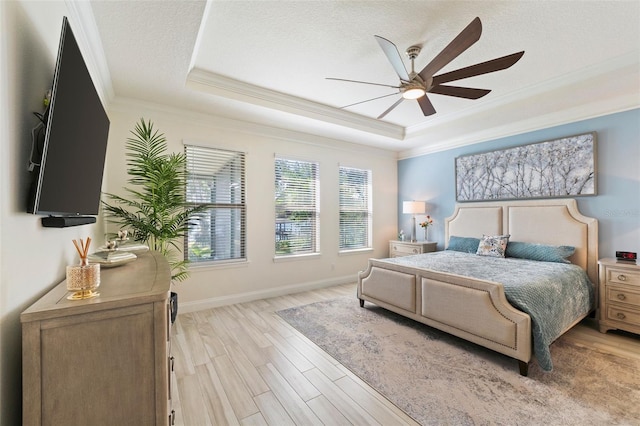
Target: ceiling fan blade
{"x": 390, "y": 108}
{"x": 462, "y": 42}
{"x": 363, "y": 82}
{"x": 426, "y": 106}
{"x": 459, "y": 92}
{"x": 479, "y": 69}
{"x": 391, "y": 51}
{"x": 369, "y": 100}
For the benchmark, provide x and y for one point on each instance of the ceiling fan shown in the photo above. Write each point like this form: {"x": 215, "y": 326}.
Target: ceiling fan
{"x": 415, "y": 85}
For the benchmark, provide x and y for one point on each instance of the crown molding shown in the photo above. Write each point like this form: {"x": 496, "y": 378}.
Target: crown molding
{"x": 601, "y": 70}
{"x": 134, "y": 106}
{"x": 88, "y": 37}
{"x": 216, "y": 84}
{"x": 552, "y": 119}
{"x": 589, "y": 83}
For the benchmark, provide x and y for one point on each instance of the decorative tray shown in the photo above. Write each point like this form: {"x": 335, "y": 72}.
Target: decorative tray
{"x": 110, "y": 258}
{"x": 132, "y": 247}
{"x": 117, "y": 245}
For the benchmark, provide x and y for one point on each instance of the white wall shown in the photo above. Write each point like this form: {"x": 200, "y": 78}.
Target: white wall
{"x": 32, "y": 258}
{"x": 261, "y": 276}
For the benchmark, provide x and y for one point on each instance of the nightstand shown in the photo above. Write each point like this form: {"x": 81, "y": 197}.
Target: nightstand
{"x": 619, "y": 306}
{"x": 407, "y": 248}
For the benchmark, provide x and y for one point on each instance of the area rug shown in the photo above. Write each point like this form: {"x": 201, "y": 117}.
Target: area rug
{"x": 439, "y": 379}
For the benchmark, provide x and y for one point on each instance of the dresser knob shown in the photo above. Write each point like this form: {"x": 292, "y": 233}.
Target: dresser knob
{"x": 620, "y": 315}
{"x": 622, "y": 277}
{"x": 621, "y": 296}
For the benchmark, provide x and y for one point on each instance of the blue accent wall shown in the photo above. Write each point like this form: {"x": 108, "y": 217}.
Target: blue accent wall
{"x": 431, "y": 177}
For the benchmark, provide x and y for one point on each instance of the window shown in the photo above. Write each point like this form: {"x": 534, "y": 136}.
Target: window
{"x": 355, "y": 208}
{"x": 297, "y": 213}
{"x": 216, "y": 177}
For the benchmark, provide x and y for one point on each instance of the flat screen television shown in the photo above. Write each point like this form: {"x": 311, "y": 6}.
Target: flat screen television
{"x": 67, "y": 179}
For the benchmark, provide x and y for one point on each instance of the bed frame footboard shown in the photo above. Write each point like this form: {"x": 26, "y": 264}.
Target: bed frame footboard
{"x": 434, "y": 298}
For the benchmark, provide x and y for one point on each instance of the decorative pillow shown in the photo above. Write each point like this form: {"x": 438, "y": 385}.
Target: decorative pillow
{"x": 494, "y": 246}
{"x": 463, "y": 244}
{"x": 541, "y": 252}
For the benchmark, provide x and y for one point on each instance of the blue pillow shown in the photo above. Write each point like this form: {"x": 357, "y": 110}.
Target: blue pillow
{"x": 541, "y": 252}
{"x": 463, "y": 244}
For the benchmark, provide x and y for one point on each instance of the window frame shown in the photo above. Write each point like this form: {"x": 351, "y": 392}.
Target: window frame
{"x": 314, "y": 243}
{"x": 346, "y": 208}
{"x": 237, "y": 235}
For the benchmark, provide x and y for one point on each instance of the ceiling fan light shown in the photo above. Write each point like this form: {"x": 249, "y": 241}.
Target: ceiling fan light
{"x": 413, "y": 93}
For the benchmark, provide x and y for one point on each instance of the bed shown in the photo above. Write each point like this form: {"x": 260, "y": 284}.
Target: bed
{"x": 476, "y": 308}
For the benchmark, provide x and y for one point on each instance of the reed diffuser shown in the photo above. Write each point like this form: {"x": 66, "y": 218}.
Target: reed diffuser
{"x": 83, "y": 279}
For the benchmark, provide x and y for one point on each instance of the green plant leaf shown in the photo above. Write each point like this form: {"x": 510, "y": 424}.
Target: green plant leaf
{"x": 156, "y": 213}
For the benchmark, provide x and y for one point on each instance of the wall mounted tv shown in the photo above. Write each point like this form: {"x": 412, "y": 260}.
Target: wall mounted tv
{"x": 70, "y": 156}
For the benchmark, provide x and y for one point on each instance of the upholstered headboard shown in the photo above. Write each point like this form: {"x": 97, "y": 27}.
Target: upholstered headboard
{"x": 554, "y": 221}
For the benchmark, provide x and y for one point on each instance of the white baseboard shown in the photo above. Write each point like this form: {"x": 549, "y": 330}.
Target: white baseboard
{"x": 214, "y": 302}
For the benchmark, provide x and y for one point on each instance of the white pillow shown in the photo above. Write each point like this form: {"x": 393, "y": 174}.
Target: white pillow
{"x": 493, "y": 246}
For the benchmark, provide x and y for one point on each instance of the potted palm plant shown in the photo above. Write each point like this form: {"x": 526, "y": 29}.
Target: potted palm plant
{"x": 157, "y": 212}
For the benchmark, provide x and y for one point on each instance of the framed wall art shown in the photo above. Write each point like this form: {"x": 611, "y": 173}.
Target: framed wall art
{"x": 564, "y": 167}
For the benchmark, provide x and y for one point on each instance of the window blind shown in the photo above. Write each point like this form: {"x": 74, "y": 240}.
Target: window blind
{"x": 355, "y": 208}
{"x": 216, "y": 177}
{"x": 297, "y": 207}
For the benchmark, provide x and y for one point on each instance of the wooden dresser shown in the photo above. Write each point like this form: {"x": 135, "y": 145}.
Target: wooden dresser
{"x": 105, "y": 360}
{"x": 619, "y": 306}
{"x": 407, "y": 248}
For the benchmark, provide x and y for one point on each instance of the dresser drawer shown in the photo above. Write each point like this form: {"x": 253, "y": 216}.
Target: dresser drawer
{"x": 627, "y": 316}
{"x": 404, "y": 249}
{"x": 622, "y": 276}
{"x": 619, "y": 305}
{"x": 407, "y": 248}
{"x": 623, "y": 295}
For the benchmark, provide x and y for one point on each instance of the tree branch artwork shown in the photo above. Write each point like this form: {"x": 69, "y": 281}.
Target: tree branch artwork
{"x": 562, "y": 167}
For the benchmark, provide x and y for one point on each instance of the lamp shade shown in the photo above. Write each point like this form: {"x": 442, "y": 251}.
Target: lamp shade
{"x": 413, "y": 207}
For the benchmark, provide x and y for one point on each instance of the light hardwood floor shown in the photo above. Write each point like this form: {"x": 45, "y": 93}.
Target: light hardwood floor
{"x": 243, "y": 365}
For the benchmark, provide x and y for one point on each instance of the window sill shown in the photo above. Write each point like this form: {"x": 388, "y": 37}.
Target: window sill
{"x": 296, "y": 257}
{"x": 355, "y": 251}
{"x": 220, "y": 264}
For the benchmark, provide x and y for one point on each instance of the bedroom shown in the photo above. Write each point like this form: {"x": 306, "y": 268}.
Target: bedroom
{"x": 34, "y": 28}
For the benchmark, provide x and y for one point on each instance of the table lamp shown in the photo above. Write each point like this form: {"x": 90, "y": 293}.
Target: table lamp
{"x": 413, "y": 208}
